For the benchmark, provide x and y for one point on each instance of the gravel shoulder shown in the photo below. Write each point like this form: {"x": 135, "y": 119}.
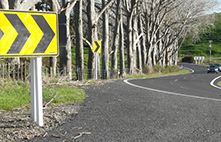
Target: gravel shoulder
{"x": 17, "y": 125}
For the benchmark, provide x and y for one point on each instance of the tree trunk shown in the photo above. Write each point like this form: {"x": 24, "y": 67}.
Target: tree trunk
{"x": 121, "y": 46}
{"x": 116, "y": 39}
{"x": 143, "y": 42}
{"x": 105, "y": 44}
{"x": 92, "y": 35}
{"x": 130, "y": 47}
{"x": 68, "y": 46}
{"x": 5, "y": 4}
{"x": 79, "y": 41}
{"x": 53, "y": 60}
{"x": 93, "y": 18}
{"x": 65, "y": 52}
{"x": 27, "y": 4}
{"x": 134, "y": 44}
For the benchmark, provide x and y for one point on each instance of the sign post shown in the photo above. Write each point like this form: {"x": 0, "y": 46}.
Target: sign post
{"x": 97, "y": 50}
{"x": 30, "y": 34}
{"x": 36, "y": 90}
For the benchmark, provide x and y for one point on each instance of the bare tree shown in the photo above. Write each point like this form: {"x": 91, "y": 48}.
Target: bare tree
{"x": 121, "y": 45}
{"x": 105, "y": 43}
{"x": 131, "y": 48}
{"x": 116, "y": 36}
{"x": 65, "y": 53}
{"x": 186, "y": 17}
{"x": 93, "y": 18}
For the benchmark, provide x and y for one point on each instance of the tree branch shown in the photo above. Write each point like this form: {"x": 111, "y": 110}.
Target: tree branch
{"x": 103, "y": 10}
{"x": 27, "y": 4}
{"x": 88, "y": 42}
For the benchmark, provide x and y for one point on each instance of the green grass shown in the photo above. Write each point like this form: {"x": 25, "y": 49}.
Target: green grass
{"x": 13, "y": 94}
{"x": 17, "y": 94}
{"x": 156, "y": 74}
{"x": 219, "y": 83}
{"x": 64, "y": 94}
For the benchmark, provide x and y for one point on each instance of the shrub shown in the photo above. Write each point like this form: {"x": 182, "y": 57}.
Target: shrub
{"x": 157, "y": 68}
{"x": 146, "y": 69}
{"x": 188, "y": 59}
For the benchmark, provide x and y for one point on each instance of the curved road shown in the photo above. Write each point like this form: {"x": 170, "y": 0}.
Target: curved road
{"x": 147, "y": 111}
{"x": 198, "y": 83}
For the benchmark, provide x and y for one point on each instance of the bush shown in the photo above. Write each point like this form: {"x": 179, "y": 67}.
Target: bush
{"x": 188, "y": 59}
{"x": 175, "y": 68}
{"x": 146, "y": 69}
{"x": 167, "y": 69}
{"x": 157, "y": 68}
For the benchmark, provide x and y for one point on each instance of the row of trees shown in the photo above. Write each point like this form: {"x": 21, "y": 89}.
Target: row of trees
{"x": 134, "y": 33}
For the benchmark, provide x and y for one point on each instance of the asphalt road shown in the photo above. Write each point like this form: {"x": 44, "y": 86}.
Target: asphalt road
{"x": 196, "y": 84}
{"x": 183, "y": 108}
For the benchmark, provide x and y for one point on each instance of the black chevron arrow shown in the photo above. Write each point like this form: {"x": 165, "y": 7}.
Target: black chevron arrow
{"x": 48, "y": 34}
{"x": 98, "y": 46}
{"x": 1, "y": 34}
{"x": 23, "y": 33}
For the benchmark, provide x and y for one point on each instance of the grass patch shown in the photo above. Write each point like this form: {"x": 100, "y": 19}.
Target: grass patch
{"x": 156, "y": 74}
{"x": 14, "y": 94}
{"x": 18, "y": 94}
{"x": 219, "y": 83}
{"x": 64, "y": 94}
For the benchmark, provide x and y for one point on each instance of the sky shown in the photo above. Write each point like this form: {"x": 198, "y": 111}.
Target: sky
{"x": 218, "y": 8}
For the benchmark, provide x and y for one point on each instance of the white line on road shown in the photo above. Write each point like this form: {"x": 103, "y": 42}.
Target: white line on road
{"x": 172, "y": 93}
{"x": 212, "y": 82}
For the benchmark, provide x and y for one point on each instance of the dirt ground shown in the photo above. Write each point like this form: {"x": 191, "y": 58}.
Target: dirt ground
{"x": 17, "y": 124}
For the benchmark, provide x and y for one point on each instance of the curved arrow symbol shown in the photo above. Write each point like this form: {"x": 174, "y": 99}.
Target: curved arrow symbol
{"x": 98, "y": 46}
{"x": 23, "y": 33}
{"x": 1, "y": 34}
{"x": 48, "y": 34}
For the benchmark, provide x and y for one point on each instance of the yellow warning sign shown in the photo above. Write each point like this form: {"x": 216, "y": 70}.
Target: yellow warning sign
{"x": 28, "y": 33}
{"x": 97, "y": 46}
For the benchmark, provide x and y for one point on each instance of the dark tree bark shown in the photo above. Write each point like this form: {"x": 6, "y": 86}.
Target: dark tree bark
{"x": 79, "y": 41}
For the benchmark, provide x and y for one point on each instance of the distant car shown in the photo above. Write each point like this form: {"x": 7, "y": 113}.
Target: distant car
{"x": 212, "y": 68}
{"x": 218, "y": 66}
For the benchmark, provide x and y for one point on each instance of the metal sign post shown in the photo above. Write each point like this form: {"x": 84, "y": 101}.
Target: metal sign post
{"x": 96, "y": 65}
{"x": 96, "y": 50}
{"x": 36, "y": 91}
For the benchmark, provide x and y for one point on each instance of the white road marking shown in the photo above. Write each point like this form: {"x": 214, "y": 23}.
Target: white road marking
{"x": 176, "y": 94}
{"x": 212, "y": 82}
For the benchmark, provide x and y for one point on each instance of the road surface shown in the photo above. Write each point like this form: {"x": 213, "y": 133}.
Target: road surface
{"x": 181, "y": 108}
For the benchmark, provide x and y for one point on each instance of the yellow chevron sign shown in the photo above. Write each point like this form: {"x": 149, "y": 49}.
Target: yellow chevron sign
{"x": 28, "y": 33}
{"x": 97, "y": 46}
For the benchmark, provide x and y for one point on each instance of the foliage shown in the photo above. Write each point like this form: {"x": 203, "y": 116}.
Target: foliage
{"x": 201, "y": 47}
{"x": 146, "y": 69}
{"x": 188, "y": 59}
